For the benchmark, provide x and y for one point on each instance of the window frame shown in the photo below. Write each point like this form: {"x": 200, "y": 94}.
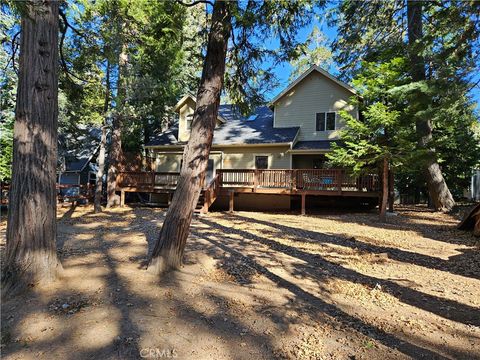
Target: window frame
{"x": 261, "y": 155}
{"x": 324, "y": 121}
{"x": 189, "y": 121}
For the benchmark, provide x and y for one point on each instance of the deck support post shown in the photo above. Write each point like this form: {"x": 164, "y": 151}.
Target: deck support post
{"x": 122, "y": 198}
{"x": 303, "y": 203}
{"x": 230, "y": 207}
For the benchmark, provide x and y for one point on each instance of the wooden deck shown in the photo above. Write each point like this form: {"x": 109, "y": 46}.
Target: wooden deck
{"x": 303, "y": 182}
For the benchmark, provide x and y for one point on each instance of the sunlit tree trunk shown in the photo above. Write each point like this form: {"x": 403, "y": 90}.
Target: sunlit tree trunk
{"x": 441, "y": 197}
{"x": 31, "y": 256}
{"x": 169, "y": 248}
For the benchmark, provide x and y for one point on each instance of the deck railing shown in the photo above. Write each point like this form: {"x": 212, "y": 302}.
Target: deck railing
{"x": 298, "y": 179}
{"x": 289, "y": 179}
{"x": 147, "y": 179}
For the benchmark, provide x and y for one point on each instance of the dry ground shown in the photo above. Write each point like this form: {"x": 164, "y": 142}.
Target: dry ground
{"x": 255, "y": 286}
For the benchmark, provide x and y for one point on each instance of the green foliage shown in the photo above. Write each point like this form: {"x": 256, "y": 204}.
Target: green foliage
{"x": 375, "y": 32}
{"x": 8, "y": 85}
{"x": 315, "y": 52}
{"x": 264, "y": 34}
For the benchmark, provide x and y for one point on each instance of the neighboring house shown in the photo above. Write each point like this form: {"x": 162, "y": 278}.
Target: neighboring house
{"x": 294, "y": 131}
{"x": 77, "y": 158}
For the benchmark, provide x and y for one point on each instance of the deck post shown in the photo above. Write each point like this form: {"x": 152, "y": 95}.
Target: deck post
{"x": 303, "y": 203}
{"x": 122, "y": 198}
{"x": 230, "y": 207}
{"x": 255, "y": 180}
{"x": 206, "y": 204}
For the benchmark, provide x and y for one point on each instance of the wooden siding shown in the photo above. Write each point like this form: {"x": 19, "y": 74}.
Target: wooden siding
{"x": 244, "y": 158}
{"x": 312, "y": 95}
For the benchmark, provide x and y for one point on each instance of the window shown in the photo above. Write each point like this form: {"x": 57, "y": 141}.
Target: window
{"x": 189, "y": 119}
{"x": 326, "y": 121}
{"x": 261, "y": 162}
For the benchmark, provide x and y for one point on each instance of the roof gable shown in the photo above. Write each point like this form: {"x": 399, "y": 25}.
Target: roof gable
{"x": 304, "y": 75}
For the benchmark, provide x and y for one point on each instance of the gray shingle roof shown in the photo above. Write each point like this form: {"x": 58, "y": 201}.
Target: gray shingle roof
{"x": 315, "y": 145}
{"x": 237, "y": 129}
{"x": 77, "y": 151}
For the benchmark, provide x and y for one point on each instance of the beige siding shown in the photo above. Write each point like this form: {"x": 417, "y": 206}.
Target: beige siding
{"x": 187, "y": 109}
{"x": 312, "y": 95}
{"x": 230, "y": 158}
{"x": 244, "y": 158}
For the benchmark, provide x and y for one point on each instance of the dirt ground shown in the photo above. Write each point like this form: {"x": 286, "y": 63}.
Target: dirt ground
{"x": 335, "y": 285}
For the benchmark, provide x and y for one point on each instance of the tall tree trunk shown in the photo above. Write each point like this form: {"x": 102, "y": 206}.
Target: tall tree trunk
{"x": 383, "y": 204}
{"x": 168, "y": 251}
{"x": 114, "y": 157}
{"x": 103, "y": 144}
{"x": 31, "y": 256}
{"x": 115, "y": 153}
{"x": 437, "y": 187}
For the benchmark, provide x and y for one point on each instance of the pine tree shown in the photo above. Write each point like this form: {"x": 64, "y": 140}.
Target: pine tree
{"x": 440, "y": 50}
{"x": 31, "y": 256}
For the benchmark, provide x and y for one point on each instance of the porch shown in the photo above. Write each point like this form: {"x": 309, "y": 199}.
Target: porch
{"x": 228, "y": 182}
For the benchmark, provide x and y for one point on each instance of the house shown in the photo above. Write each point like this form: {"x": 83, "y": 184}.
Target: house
{"x": 283, "y": 143}
{"x": 77, "y": 155}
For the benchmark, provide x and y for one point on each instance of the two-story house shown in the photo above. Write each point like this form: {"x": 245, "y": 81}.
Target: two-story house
{"x": 294, "y": 131}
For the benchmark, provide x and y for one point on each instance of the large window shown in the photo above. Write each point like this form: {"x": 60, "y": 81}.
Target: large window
{"x": 326, "y": 121}
{"x": 261, "y": 162}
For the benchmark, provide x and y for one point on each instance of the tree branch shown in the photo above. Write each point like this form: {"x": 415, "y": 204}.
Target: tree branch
{"x": 196, "y": 2}
{"x": 68, "y": 25}
{"x": 70, "y": 75}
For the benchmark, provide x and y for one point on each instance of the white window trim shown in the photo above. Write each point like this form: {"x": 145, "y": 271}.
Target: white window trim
{"x": 269, "y": 158}
{"x": 325, "y": 121}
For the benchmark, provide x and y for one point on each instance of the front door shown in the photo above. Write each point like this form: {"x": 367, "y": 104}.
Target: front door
{"x": 210, "y": 171}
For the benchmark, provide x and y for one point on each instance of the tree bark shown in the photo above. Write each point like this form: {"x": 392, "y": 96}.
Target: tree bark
{"x": 437, "y": 187}
{"x": 31, "y": 257}
{"x": 391, "y": 191}
{"x": 103, "y": 144}
{"x": 115, "y": 153}
{"x": 168, "y": 251}
{"x": 114, "y": 156}
{"x": 383, "y": 204}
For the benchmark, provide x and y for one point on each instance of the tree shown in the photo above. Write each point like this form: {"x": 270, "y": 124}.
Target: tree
{"x": 31, "y": 256}
{"x": 168, "y": 250}
{"x": 247, "y": 27}
{"x": 437, "y": 187}
{"x": 441, "y": 49}
{"x": 315, "y": 52}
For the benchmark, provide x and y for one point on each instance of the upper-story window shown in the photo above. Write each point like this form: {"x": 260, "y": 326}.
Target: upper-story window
{"x": 326, "y": 121}
{"x": 189, "y": 119}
